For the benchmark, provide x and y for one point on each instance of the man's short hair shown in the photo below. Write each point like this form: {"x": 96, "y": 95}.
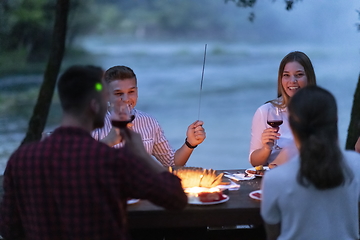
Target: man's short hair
{"x": 77, "y": 84}
{"x": 119, "y": 73}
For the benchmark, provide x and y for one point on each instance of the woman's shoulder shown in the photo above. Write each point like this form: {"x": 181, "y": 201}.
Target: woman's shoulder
{"x": 269, "y": 104}
{"x": 265, "y": 106}
{"x": 352, "y": 157}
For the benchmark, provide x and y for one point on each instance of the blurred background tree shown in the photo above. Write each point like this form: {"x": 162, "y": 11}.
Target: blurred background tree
{"x": 26, "y": 27}
{"x": 56, "y": 53}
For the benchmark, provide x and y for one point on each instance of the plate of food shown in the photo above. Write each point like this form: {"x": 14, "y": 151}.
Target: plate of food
{"x": 258, "y": 171}
{"x": 208, "y": 198}
{"x": 132, "y": 201}
{"x": 256, "y": 195}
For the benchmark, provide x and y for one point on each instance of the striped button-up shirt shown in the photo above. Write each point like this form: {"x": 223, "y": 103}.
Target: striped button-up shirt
{"x": 151, "y": 133}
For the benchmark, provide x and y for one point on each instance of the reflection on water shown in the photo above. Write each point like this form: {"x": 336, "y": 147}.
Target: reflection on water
{"x": 237, "y": 80}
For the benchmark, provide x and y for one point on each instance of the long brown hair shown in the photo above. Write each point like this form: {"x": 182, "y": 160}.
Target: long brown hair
{"x": 304, "y": 61}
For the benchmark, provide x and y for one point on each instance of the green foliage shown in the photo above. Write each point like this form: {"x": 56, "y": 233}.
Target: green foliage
{"x": 27, "y": 25}
{"x": 31, "y": 12}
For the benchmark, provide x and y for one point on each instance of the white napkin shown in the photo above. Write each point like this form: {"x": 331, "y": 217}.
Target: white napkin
{"x": 232, "y": 186}
{"x": 240, "y": 176}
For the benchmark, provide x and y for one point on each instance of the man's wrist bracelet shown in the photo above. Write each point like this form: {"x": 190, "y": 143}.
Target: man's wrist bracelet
{"x": 189, "y": 145}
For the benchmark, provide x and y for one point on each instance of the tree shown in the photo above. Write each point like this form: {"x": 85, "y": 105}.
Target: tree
{"x": 42, "y": 107}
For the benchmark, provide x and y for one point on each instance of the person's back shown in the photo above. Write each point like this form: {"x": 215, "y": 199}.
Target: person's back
{"x": 316, "y": 194}
{"x": 70, "y": 186}
{"x": 307, "y": 213}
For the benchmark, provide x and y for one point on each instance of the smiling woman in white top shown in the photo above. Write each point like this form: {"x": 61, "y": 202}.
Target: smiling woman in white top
{"x": 295, "y": 72}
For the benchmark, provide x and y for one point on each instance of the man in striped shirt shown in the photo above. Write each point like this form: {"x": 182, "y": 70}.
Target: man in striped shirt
{"x": 122, "y": 84}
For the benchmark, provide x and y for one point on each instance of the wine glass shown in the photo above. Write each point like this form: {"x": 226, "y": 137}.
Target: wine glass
{"x": 274, "y": 119}
{"x": 121, "y": 114}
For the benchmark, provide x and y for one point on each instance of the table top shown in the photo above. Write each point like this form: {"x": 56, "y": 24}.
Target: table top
{"x": 240, "y": 209}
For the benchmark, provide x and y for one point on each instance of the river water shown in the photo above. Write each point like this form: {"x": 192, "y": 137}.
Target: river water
{"x": 238, "y": 79}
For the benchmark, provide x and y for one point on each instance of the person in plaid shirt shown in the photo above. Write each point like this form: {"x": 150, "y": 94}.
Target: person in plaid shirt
{"x": 70, "y": 186}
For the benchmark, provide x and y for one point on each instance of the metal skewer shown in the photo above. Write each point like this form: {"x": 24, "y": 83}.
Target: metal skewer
{"x": 202, "y": 79}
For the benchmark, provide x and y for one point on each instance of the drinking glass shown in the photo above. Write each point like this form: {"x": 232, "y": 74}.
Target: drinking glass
{"x": 121, "y": 114}
{"x": 274, "y": 119}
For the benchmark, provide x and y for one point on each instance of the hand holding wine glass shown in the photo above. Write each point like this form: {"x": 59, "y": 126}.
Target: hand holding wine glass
{"x": 274, "y": 119}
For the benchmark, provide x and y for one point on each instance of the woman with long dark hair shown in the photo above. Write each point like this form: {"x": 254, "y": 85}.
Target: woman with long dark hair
{"x": 316, "y": 194}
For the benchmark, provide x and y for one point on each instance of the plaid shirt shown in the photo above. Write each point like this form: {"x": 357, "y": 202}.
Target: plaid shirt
{"x": 71, "y": 186}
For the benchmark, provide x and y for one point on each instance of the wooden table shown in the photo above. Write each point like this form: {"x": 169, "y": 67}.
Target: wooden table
{"x": 240, "y": 209}
{"x": 150, "y": 222}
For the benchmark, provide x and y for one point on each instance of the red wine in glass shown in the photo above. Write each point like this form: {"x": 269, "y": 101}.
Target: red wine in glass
{"x": 122, "y": 124}
{"x": 274, "y": 119}
{"x": 121, "y": 114}
{"x": 275, "y": 123}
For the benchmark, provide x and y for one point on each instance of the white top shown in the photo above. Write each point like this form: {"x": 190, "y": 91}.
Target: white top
{"x": 259, "y": 123}
{"x": 151, "y": 133}
{"x": 308, "y": 213}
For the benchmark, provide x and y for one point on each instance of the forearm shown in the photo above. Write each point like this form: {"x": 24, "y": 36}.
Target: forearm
{"x": 260, "y": 156}
{"x": 182, "y": 155}
{"x": 151, "y": 163}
